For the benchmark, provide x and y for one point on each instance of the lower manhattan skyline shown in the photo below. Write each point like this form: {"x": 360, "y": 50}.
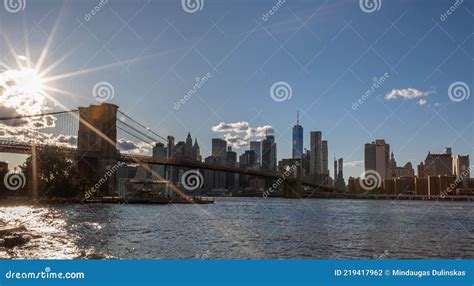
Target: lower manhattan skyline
{"x": 314, "y": 137}
{"x": 386, "y": 86}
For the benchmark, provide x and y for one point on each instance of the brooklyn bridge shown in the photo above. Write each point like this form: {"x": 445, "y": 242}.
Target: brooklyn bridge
{"x": 90, "y": 135}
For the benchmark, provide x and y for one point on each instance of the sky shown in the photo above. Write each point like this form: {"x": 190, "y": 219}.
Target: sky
{"x": 355, "y": 70}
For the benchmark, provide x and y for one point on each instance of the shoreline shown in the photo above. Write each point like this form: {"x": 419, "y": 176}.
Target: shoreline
{"x": 210, "y": 200}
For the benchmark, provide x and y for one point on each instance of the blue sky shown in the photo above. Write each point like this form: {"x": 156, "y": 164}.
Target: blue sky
{"x": 328, "y": 52}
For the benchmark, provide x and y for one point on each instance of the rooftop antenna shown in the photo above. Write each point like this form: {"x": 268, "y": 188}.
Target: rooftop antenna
{"x": 297, "y": 117}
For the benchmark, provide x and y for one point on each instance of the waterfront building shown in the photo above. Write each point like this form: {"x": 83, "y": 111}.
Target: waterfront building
{"x": 437, "y": 164}
{"x": 354, "y": 187}
{"x": 231, "y": 161}
{"x": 297, "y": 143}
{"x": 388, "y": 186}
{"x": 339, "y": 180}
{"x": 197, "y": 150}
{"x": 305, "y": 162}
{"x": 396, "y": 171}
{"x": 461, "y": 169}
{"x": 316, "y": 152}
{"x": 404, "y": 185}
{"x": 433, "y": 186}
{"x": 159, "y": 151}
{"x": 214, "y": 180}
{"x": 256, "y": 146}
{"x": 273, "y": 152}
{"x": 377, "y": 158}
{"x": 219, "y": 148}
{"x": 292, "y": 167}
{"x": 324, "y": 158}
{"x": 269, "y": 153}
{"x": 421, "y": 186}
{"x": 246, "y": 160}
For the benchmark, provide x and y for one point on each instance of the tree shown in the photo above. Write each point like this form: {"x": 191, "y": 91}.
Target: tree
{"x": 56, "y": 173}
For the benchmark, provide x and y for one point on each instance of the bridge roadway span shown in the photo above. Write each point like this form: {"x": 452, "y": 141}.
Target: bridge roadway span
{"x": 25, "y": 148}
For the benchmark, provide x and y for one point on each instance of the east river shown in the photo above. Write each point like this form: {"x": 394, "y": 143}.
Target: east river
{"x": 252, "y": 228}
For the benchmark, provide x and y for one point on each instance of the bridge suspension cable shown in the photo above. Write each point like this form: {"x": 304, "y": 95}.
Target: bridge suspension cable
{"x": 135, "y": 136}
{"x": 37, "y": 115}
{"x": 136, "y": 130}
{"x": 143, "y": 126}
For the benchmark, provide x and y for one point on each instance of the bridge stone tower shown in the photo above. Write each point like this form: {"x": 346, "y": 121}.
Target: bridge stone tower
{"x": 97, "y": 146}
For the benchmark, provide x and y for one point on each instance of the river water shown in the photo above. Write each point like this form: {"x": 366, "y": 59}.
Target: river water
{"x": 249, "y": 228}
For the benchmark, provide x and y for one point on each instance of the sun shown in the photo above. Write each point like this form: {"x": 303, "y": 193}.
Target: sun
{"x": 30, "y": 82}
{"x": 22, "y": 90}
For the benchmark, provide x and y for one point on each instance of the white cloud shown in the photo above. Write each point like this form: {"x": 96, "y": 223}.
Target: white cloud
{"x": 237, "y": 140}
{"x": 407, "y": 93}
{"x": 238, "y": 127}
{"x": 130, "y": 146}
{"x": 354, "y": 163}
{"x": 422, "y": 101}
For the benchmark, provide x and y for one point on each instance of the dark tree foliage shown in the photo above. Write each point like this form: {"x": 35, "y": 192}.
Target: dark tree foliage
{"x": 56, "y": 173}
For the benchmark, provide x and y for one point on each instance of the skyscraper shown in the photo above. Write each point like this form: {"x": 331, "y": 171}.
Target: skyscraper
{"x": 316, "y": 152}
{"x": 437, "y": 164}
{"x": 325, "y": 158}
{"x": 377, "y": 158}
{"x": 273, "y": 152}
{"x": 266, "y": 154}
{"x": 461, "y": 168}
{"x": 297, "y": 144}
{"x": 219, "y": 148}
{"x": 256, "y": 146}
{"x": 231, "y": 161}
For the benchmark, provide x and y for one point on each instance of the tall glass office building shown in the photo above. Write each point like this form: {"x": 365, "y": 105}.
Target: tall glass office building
{"x": 297, "y": 138}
